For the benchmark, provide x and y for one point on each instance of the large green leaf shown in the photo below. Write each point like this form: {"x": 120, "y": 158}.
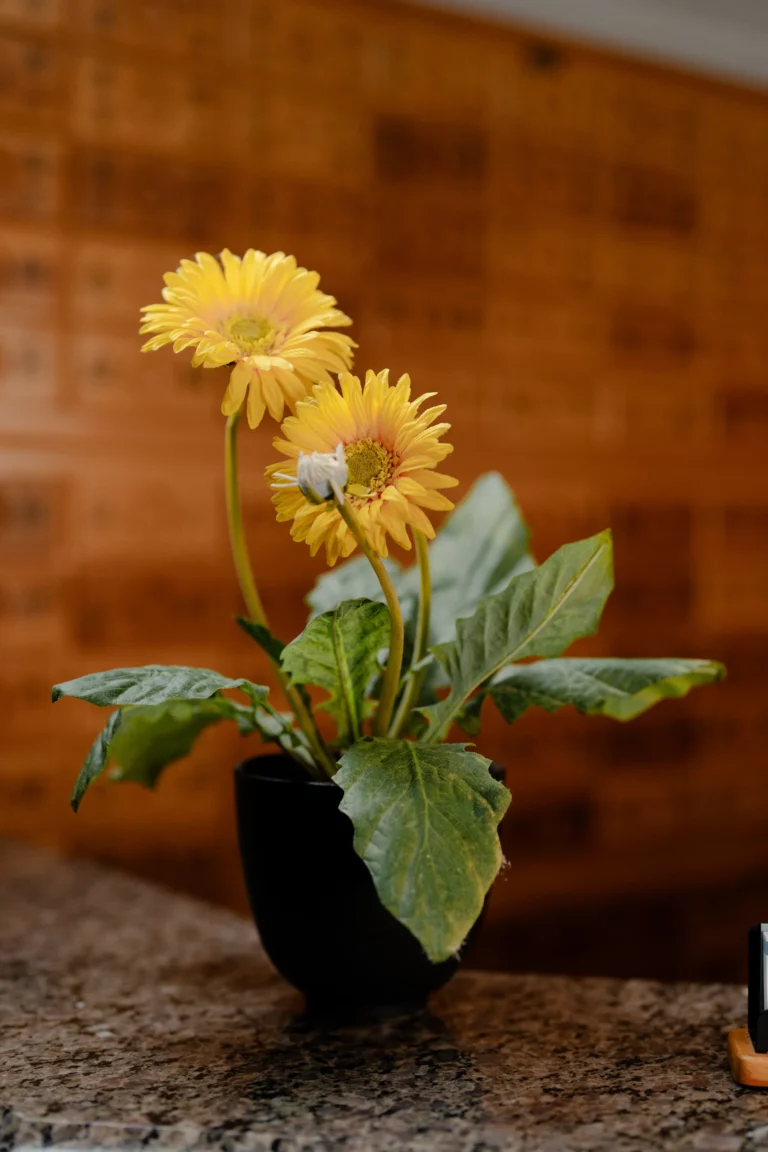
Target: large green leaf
{"x": 152, "y": 684}
{"x": 539, "y": 613}
{"x": 96, "y": 760}
{"x": 338, "y": 651}
{"x": 480, "y": 547}
{"x": 152, "y": 736}
{"x": 425, "y": 820}
{"x": 611, "y": 687}
{"x": 143, "y": 739}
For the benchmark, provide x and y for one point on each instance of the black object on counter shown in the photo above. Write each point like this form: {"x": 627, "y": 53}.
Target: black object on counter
{"x": 757, "y": 1002}
{"x": 314, "y": 902}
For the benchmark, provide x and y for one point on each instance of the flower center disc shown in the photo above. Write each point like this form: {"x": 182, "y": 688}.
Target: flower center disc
{"x": 253, "y": 334}
{"x": 370, "y": 464}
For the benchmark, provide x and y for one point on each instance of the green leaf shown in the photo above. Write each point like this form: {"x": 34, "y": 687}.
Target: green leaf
{"x": 143, "y": 739}
{"x": 539, "y": 613}
{"x": 153, "y": 684}
{"x": 469, "y": 716}
{"x": 610, "y": 687}
{"x": 425, "y": 820}
{"x": 338, "y": 651}
{"x": 263, "y": 637}
{"x": 480, "y": 547}
{"x": 152, "y": 736}
{"x": 96, "y": 760}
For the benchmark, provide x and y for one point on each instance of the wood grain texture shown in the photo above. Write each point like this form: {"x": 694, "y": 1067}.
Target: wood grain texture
{"x": 571, "y": 248}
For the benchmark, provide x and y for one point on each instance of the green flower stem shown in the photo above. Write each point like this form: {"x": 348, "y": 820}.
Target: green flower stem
{"x": 391, "y": 681}
{"x": 412, "y": 689}
{"x": 235, "y": 521}
{"x": 305, "y": 719}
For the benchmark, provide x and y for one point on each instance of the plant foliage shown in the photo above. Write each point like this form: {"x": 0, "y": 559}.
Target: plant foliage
{"x": 425, "y": 820}
{"x": 162, "y": 709}
{"x": 338, "y": 651}
{"x": 425, "y": 813}
{"x": 539, "y": 613}
{"x": 622, "y": 689}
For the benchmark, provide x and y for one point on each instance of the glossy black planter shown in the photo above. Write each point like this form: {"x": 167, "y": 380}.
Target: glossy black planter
{"x": 313, "y": 900}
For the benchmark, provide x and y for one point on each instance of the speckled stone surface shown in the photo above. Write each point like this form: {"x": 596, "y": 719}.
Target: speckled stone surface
{"x": 133, "y": 1018}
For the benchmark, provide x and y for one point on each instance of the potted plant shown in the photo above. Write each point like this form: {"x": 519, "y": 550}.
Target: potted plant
{"x": 368, "y": 854}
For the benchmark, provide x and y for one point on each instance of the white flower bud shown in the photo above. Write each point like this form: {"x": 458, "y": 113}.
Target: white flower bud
{"x": 319, "y": 475}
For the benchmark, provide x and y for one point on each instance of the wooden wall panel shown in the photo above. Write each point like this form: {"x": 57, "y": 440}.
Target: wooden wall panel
{"x": 570, "y": 247}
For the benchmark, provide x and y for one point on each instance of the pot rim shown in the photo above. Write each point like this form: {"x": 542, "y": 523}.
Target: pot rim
{"x": 242, "y": 769}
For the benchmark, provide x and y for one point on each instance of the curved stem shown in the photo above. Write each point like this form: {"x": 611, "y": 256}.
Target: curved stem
{"x": 252, "y": 599}
{"x": 235, "y": 522}
{"x": 391, "y": 681}
{"x": 412, "y": 689}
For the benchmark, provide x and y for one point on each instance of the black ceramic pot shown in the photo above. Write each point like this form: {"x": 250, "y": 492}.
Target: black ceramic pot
{"x": 313, "y": 900}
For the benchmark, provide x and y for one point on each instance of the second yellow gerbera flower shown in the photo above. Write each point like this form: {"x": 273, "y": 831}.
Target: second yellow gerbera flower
{"x": 263, "y": 314}
{"x": 391, "y": 452}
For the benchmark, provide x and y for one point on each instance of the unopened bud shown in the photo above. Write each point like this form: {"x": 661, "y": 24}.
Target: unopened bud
{"x": 320, "y": 476}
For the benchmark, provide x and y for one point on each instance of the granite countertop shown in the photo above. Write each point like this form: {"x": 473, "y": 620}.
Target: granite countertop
{"x": 134, "y": 1018}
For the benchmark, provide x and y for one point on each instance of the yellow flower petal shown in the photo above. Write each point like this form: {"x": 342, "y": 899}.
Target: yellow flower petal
{"x": 236, "y": 389}
{"x": 433, "y": 479}
{"x": 256, "y": 403}
{"x": 273, "y": 395}
{"x": 419, "y": 520}
{"x": 424, "y": 497}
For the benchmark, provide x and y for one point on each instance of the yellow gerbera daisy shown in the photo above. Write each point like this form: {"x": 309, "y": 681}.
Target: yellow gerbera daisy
{"x": 391, "y": 452}
{"x": 261, "y": 312}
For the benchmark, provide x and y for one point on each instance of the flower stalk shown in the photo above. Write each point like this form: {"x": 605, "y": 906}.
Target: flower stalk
{"x": 391, "y": 682}
{"x": 415, "y": 679}
{"x": 235, "y": 523}
{"x": 325, "y": 767}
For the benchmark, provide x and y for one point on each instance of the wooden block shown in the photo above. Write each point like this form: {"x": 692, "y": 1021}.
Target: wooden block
{"x": 747, "y": 1066}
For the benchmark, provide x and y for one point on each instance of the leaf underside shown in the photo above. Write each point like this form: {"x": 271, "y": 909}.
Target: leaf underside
{"x": 150, "y": 737}
{"x": 96, "y": 760}
{"x": 161, "y": 711}
{"x": 143, "y": 739}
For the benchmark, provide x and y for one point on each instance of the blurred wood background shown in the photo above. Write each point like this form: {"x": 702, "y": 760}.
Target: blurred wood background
{"x": 571, "y": 247}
